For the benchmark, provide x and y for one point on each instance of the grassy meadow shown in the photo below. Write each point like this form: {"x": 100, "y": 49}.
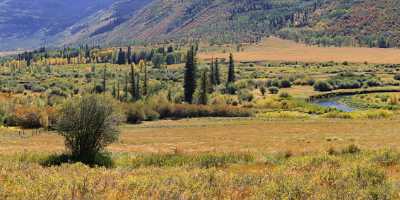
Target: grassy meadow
{"x": 261, "y": 137}
{"x": 208, "y": 158}
{"x": 276, "y": 49}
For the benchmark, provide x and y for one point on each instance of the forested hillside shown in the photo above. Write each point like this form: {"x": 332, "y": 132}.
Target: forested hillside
{"x": 372, "y": 23}
{"x": 214, "y": 20}
{"x": 324, "y": 22}
{"x": 30, "y": 23}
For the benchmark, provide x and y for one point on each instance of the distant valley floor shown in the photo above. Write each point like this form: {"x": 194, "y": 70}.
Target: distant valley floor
{"x": 275, "y": 49}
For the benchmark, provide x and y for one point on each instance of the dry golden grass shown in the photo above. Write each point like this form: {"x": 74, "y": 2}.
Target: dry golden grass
{"x": 275, "y": 49}
{"x": 8, "y": 53}
{"x": 229, "y": 135}
{"x": 300, "y": 91}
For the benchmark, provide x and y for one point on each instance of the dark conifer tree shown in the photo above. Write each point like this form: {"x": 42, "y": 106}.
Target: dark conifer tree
{"x": 105, "y": 79}
{"x": 114, "y": 91}
{"x": 231, "y": 70}
{"x": 87, "y": 51}
{"x": 203, "y": 98}
{"x": 137, "y": 87}
{"x": 216, "y": 71}
{"x": 134, "y": 58}
{"x": 212, "y": 73}
{"x": 133, "y": 83}
{"x": 126, "y": 90}
{"x": 121, "y": 57}
{"x": 118, "y": 89}
{"x": 145, "y": 81}
{"x": 129, "y": 55}
{"x": 190, "y": 76}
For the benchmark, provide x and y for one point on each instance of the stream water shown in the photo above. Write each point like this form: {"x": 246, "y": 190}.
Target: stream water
{"x": 334, "y": 102}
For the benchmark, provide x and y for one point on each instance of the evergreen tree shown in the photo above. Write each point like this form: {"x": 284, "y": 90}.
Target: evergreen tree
{"x": 118, "y": 89}
{"x": 231, "y": 70}
{"x": 129, "y": 55}
{"x": 126, "y": 90}
{"x": 114, "y": 91}
{"x": 169, "y": 95}
{"x": 87, "y": 51}
{"x": 216, "y": 72}
{"x": 212, "y": 73}
{"x": 134, "y": 58}
{"x": 203, "y": 98}
{"x": 145, "y": 80}
{"x": 121, "y": 57}
{"x": 190, "y": 76}
{"x": 137, "y": 87}
{"x": 133, "y": 82}
{"x": 382, "y": 42}
{"x": 105, "y": 79}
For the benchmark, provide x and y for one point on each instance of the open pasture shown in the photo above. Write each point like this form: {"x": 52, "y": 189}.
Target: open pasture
{"x": 275, "y": 49}
{"x": 229, "y": 135}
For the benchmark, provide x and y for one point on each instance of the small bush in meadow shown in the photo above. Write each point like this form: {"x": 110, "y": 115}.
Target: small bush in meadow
{"x": 397, "y": 77}
{"x": 245, "y": 95}
{"x": 88, "y": 124}
{"x": 386, "y": 157}
{"x": 351, "y": 149}
{"x": 332, "y": 151}
{"x": 28, "y": 117}
{"x": 135, "y": 114}
{"x": 273, "y": 90}
{"x": 285, "y": 83}
{"x": 284, "y": 95}
{"x": 322, "y": 86}
{"x": 151, "y": 115}
{"x": 263, "y": 90}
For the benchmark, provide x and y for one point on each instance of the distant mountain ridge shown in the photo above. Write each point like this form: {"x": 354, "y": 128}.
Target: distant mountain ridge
{"x": 323, "y": 22}
{"x": 29, "y": 23}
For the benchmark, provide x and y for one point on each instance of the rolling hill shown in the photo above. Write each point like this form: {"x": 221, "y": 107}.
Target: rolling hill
{"x": 371, "y": 23}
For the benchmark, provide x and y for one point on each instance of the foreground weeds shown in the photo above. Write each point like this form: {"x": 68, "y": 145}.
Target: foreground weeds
{"x": 348, "y": 173}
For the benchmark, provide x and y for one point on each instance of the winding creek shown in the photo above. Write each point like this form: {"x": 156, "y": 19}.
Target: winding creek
{"x": 333, "y": 99}
{"x": 334, "y": 102}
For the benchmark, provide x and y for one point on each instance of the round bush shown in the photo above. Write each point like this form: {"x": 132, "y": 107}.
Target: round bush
{"x": 88, "y": 124}
{"x": 285, "y": 83}
{"x": 245, "y": 95}
{"x": 397, "y": 77}
{"x": 273, "y": 90}
{"x": 135, "y": 115}
{"x": 322, "y": 86}
{"x": 284, "y": 95}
